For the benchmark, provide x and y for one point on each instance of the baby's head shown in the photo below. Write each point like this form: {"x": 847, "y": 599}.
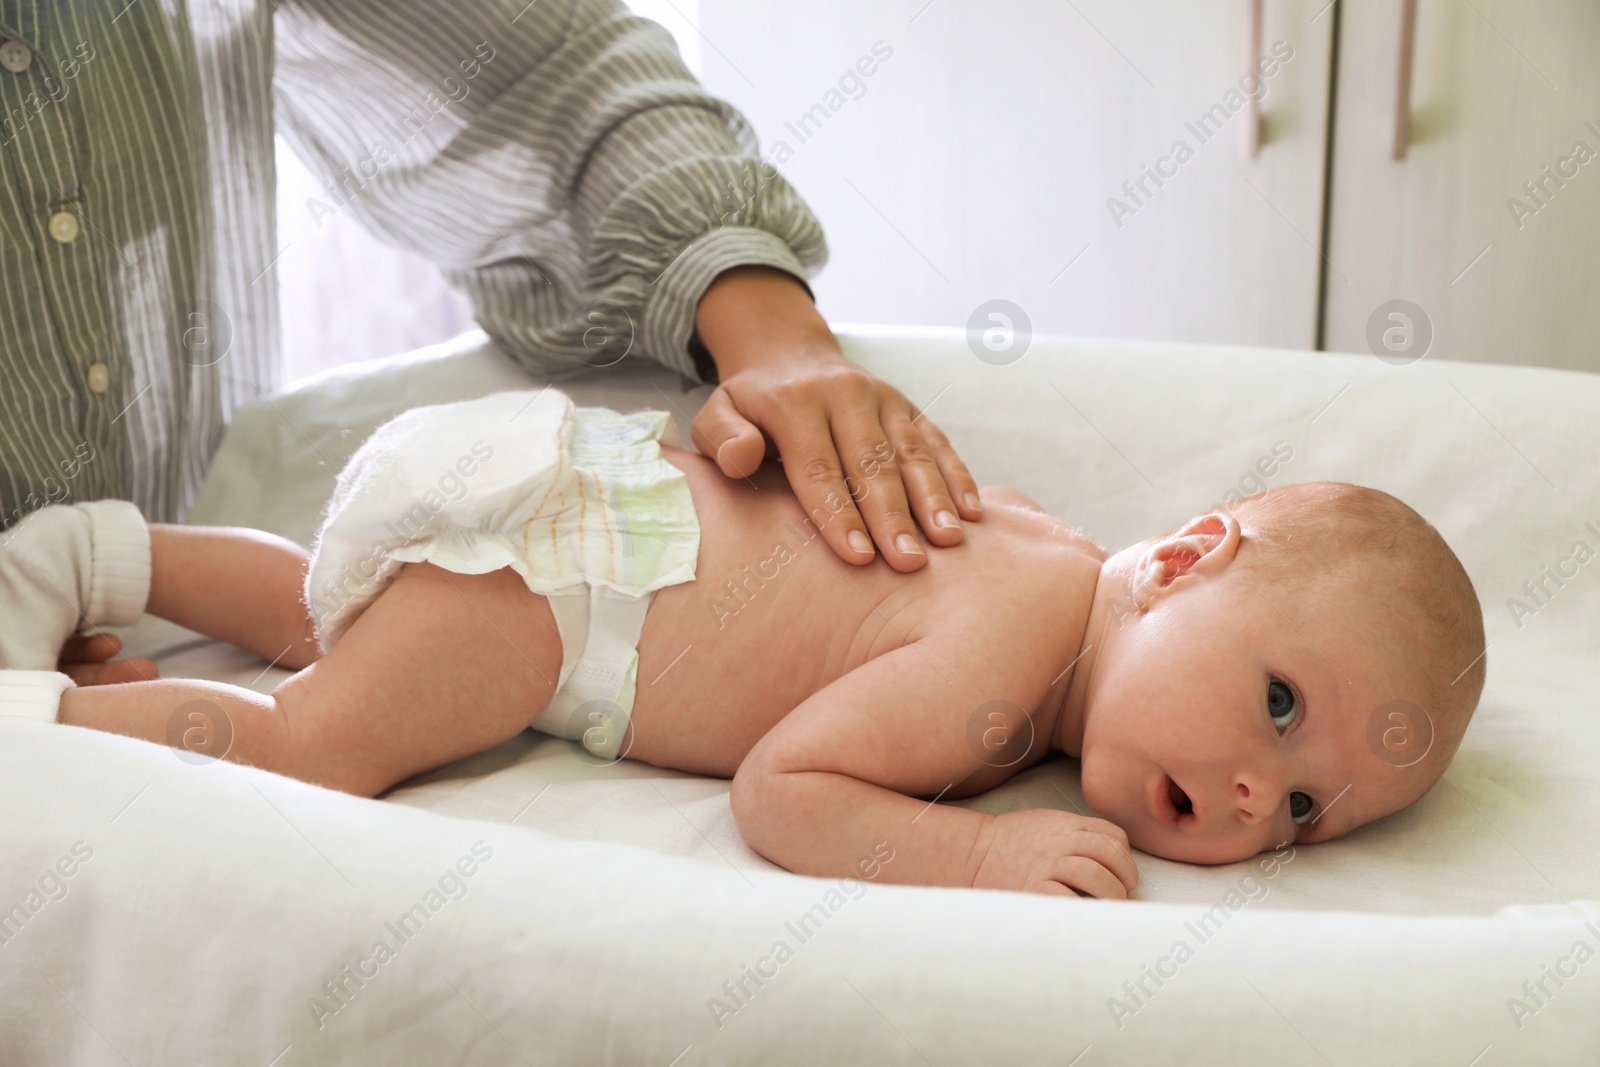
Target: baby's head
{"x": 1283, "y": 669}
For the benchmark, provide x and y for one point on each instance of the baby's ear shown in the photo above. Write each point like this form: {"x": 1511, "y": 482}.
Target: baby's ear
{"x": 1203, "y": 547}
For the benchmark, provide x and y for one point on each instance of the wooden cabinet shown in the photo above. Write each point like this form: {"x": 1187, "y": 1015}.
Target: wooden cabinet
{"x": 1491, "y": 221}
{"x": 1086, "y": 160}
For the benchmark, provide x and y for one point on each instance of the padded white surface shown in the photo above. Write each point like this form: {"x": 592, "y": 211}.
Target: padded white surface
{"x": 219, "y": 899}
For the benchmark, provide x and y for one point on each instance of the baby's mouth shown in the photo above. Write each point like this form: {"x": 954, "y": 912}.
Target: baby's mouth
{"x": 1170, "y": 803}
{"x": 1180, "y": 799}
{"x": 1180, "y": 802}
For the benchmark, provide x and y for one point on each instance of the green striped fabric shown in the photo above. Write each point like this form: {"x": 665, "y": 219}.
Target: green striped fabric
{"x": 555, "y": 158}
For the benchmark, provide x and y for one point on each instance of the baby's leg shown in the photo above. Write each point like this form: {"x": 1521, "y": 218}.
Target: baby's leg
{"x": 440, "y": 666}
{"x": 238, "y": 585}
{"x": 66, "y": 568}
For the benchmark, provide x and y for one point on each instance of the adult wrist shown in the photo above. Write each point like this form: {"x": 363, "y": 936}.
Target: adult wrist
{"x": 671, "y": 310}
{"x": 753, "y": 313}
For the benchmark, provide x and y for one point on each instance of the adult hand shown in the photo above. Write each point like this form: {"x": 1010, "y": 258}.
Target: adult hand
{"x": 866, "y": 465}
{"x": 86, "y": 660}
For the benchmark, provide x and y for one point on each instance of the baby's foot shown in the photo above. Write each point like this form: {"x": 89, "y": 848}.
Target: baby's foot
{"x": 67, "y": 566}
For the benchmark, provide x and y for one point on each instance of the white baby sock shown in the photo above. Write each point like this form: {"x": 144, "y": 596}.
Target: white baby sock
{"x": 67, "y": 566}
{"x": 34, "y": 696}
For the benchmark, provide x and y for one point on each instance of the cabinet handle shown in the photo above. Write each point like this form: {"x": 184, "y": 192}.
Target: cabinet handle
{"x": 1252, "y": 115}
{"x": 1402, "y": 91}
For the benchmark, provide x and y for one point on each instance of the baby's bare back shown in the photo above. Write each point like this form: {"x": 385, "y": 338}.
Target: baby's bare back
{"x": 774, "y": 616}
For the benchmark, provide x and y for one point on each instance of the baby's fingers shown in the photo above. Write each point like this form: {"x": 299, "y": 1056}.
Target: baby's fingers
{"x": 1110, "y": 848}
{"x": 1088, "y": 876}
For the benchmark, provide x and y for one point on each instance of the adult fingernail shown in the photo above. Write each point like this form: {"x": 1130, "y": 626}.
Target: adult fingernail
{"x": 971, "y": 500}
{"x": 859, "y": 541}
{"x": 908, "y": 544}
{"x": 944, "y": 518}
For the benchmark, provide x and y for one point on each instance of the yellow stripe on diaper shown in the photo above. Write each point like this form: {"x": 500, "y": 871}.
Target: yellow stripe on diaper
{"x": 642, "y": 531}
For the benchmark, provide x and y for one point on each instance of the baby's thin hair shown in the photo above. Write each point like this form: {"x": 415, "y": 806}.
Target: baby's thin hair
{"x": 1311, "y": 531}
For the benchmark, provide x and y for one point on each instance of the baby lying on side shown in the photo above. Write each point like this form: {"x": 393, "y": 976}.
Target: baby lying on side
{"x": 1281, "y": 670}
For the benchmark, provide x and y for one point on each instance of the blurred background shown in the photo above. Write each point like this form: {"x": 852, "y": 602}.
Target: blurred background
{"x": 1407, "y": 177}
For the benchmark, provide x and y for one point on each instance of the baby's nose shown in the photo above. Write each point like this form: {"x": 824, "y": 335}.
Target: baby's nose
{"x": 1255, "y": 797}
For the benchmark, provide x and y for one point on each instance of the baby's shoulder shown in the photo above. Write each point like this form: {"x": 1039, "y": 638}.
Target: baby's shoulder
{"x": 1021, "y": 516}
{"x": 1026, "y": 574}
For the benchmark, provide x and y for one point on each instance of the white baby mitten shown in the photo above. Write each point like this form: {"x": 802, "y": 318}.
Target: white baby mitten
{"x": 68, "y": 566}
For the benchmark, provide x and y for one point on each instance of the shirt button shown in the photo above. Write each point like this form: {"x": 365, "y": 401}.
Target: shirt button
{"x": 99, "y": 377}
{"x": 15, "y": 56}
{"x": 64, "y": 227}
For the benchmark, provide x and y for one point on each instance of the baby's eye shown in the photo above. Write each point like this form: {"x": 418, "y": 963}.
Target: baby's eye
{"x": 1300, "y": 806}
{"x": 1281, "y": 704}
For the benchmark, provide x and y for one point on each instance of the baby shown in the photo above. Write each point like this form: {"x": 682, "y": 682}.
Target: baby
{"x": 1280, "y": 670}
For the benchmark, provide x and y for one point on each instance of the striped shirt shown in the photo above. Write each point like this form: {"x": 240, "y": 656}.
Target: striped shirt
{"x": 555, "y": 158}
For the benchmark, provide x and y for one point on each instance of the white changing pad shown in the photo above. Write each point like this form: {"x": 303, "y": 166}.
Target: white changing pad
{"x": 237, "y": 894}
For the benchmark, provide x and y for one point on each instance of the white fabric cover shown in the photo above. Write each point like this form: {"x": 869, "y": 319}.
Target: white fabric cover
{"x": 215, "y": 901}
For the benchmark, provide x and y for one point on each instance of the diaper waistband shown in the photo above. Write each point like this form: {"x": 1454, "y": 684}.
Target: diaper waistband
{"x": 618, "y": 513}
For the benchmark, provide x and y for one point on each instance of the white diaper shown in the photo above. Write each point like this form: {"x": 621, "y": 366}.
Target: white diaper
{"x": 578, "y": 501}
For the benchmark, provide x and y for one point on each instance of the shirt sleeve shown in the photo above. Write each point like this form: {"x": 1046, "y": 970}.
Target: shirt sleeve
{"x": 560, "y": 164}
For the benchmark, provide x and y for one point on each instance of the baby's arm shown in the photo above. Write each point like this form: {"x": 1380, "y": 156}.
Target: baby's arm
{"x": 840, "y": 774}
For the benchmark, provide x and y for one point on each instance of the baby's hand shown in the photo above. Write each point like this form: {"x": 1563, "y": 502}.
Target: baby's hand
{"x": 1042, "y": 850}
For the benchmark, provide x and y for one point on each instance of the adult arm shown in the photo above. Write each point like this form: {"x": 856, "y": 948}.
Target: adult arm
{"x": 568, "y": 174}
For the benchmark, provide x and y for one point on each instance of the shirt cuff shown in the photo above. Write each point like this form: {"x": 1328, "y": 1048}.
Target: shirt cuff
{"x": 669, "y": 310}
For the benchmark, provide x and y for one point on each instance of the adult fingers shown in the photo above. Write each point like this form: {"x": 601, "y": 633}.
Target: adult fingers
{"x": 812, "y": 463}
{"x": 874, "y": 476}
{"x": 90, "y": 648}
{"x": 958, "y": 481}
{"x": 112, "y": 673}
{"x": 926, "y": 490}
{"x": 800, "y": 433}
{"x": 721, "y": 432}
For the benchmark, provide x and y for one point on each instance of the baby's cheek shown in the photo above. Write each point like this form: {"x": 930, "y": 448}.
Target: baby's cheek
{"x": 1096, "y": 787}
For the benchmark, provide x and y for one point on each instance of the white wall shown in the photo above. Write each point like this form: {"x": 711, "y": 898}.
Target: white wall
{"x": 964, "y": 152}
{"x": 682, "y": 18}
